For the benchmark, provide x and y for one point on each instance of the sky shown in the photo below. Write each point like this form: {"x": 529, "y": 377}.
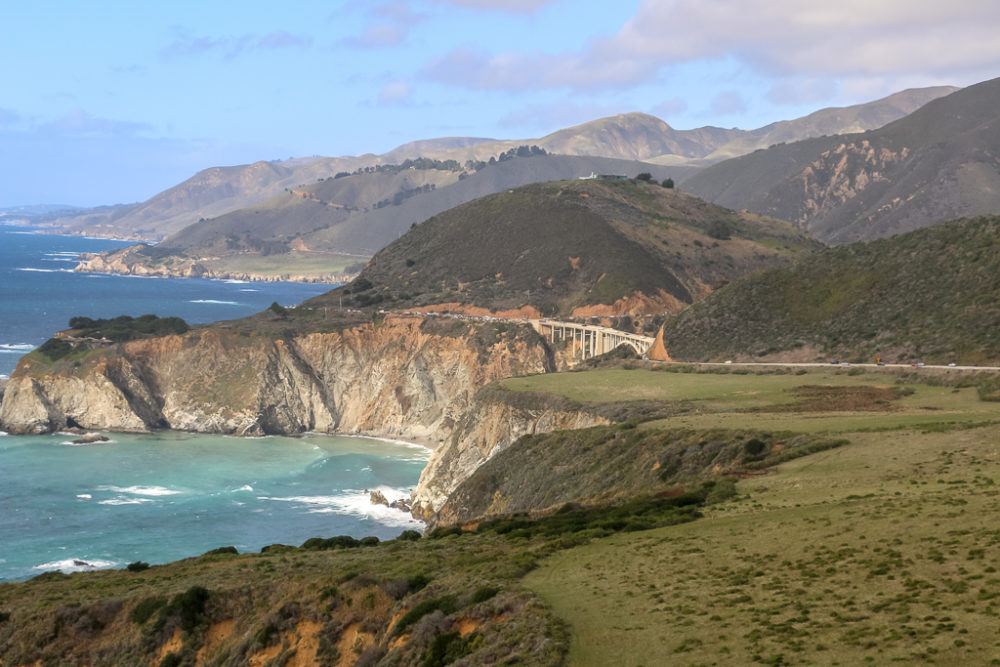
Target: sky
{"x": 110, "y": 102}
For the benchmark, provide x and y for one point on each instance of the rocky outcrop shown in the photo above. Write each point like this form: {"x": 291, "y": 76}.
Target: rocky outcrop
{"x": 489, "y": 427}
{"x": 389, "y": 379}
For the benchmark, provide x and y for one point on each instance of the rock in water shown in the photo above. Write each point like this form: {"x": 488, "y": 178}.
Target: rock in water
{"x": 378, "y": 498}
{"x": 90, "y": 438}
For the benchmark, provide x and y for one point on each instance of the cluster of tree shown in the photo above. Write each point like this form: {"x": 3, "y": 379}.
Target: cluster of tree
{"x": 405, "y": 194}
{"x": 520, "y": 151}
{"x": 414, "y": 163}
{"x": 648, "y": 177}
{"x": 124, "y": 328}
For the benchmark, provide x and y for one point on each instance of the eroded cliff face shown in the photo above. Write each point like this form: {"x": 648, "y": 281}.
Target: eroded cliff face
{"x": 488, "y": 428}
{"x": 392, "y": 380}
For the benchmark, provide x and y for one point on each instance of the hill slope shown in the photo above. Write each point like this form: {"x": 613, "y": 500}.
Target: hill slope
{"x": 930, "y": 295}
{"x": 938, "y": 163}
{"x": 581, "y": 247}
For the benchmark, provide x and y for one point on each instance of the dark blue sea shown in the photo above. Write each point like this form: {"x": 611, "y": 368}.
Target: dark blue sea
{"x": 170, "y": 495}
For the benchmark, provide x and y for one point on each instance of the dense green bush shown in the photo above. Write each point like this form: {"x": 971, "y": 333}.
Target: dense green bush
{"x": 445, "y": 604}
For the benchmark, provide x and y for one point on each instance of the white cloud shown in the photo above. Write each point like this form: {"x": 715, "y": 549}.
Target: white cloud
{"x": 513, "y": 6}
{"x": 185, "y": 44}
{"x": 394, "y": 92}
{"x": 799, "y": 39}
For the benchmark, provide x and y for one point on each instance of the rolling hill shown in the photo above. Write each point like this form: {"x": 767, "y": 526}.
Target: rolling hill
{"x": 931, "y": 295}
{"x": 220, "y": 190}
{"x": 939, "y": 163}
{"x": 582, "y": 247}
{"x": 329, "y": 228}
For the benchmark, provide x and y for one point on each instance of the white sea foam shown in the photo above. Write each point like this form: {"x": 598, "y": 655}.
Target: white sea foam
{"x": 31, "y": 268}
{"x": 233, "y": 281}
{"x": 140, "y": 490}
{"x": 16, "y": 348}
{"x": 215, "y": 301}
{"x": 245, "y": 487}
{"x": 70, "y": 443}
{"x": 84, "y": 496}
{"x": 120, "y": 500}
{"x": 76, "y": 565}
{"x": 247, "y": 289}
{"x": 356, "y": 503}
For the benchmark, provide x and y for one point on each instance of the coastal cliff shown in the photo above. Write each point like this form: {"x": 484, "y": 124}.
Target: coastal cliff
{"x": 390, "y": 379}
{"x": 406, "y": 378}
{"x": 489, "y": 427}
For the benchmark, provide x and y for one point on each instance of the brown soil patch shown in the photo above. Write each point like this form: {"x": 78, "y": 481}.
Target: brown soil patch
{"x": 575, "y": 263}
{"x": 259, "y": 658}
{"x": 636, "y": 304}
{"x": 217, "y": 633}
{"x": 466, "y": 626}
{"x": 306, "y": 640}
{"x": 172, "y": 645}
{"x": 522, "y": 313}
{"x": 352, "y": 643}
{"x": 816, "y": 398}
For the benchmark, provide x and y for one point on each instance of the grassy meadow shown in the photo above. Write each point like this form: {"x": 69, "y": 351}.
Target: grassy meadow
{"x": 883, "y": 550}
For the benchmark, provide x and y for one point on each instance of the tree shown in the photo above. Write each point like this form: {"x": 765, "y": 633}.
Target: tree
{"x": 668, "y": 182}
{"x": 644, "y": 176}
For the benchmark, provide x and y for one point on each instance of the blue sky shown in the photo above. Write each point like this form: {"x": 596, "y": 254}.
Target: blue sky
{"x": 108, "y": 102}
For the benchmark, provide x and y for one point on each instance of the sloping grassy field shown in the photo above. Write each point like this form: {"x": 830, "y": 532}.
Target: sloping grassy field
{"x": 881, "y": 551}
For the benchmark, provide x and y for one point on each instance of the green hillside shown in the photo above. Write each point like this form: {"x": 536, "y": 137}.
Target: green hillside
{"x": 931, "y": 295}
{"x": 567, "y": 245}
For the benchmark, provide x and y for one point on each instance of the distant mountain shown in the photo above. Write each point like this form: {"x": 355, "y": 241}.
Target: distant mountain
{"x": 329, "y": 228}
{"x": 639, "y": 136}
{"x": 581, "y": 247}
{"x": 219, "y": 190}
{"x": 208, "y": 193}
{"x": 931, "y": 295}
{"x": 940, "y": 162}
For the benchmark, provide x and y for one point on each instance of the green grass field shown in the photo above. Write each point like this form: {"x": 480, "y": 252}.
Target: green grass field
{"x": 881, "y": 551}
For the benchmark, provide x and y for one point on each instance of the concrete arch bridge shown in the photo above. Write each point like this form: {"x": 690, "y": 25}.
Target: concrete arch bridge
{"x": 588, "y": 340}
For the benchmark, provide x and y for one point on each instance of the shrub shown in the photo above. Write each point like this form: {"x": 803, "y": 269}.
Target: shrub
{"x": 369, "y": 541}
{"x": 220, "y": 551}
{"x": 137, "y": 566}
{"x": 445, "y": 604}
{"x": 483, "y": 594}
{"x": 145, "y": 609}
{"x": 409, "y": 535}
{"x": 187, "y": 607}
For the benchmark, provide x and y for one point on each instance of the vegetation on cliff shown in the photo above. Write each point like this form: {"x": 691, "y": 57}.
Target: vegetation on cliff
{"x": 930, "y": 295}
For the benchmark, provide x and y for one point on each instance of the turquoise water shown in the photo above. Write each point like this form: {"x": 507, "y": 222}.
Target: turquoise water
{"x": 166, "y": 496}
{"x": 162, "y": 497}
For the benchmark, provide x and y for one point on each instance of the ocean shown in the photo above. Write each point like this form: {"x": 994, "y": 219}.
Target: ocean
{"x": 39, "y": 292}
{"x": 170, "y": 495}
